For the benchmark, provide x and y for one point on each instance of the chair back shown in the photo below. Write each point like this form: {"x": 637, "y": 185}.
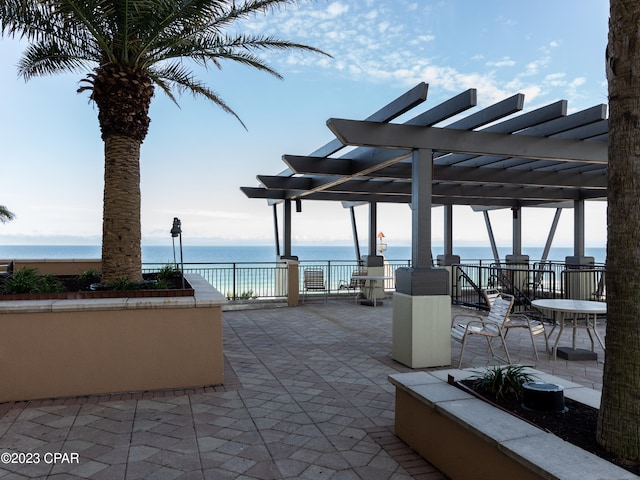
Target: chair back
{"x": 500, "y": 309}
{"x": 355, "y": 281}
{"x": 313, "y": 278}
{"x": 490, "y": 296}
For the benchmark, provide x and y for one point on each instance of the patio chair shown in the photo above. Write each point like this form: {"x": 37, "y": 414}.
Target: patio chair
{"x": 489, "y": 327}
{"x": 520, "y": 320}
{"x": 314, "y": 282}
{"x": 355, "y": 284}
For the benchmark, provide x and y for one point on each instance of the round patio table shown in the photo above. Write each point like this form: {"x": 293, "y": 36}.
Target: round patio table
{"x": 576, "y": 308}
{"x": 370, "y": 288}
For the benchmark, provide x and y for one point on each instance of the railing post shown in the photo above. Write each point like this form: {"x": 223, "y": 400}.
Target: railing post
{"x": 293, "y": 283}
{"x": 235, "y": 295}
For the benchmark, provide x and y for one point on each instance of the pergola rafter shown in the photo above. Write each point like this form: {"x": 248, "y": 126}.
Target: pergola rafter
{"x": 494, "y": 157}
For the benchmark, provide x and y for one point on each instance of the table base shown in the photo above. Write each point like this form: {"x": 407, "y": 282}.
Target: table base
{"x": 576, "y": 354}
{"x": 371, "y": 303}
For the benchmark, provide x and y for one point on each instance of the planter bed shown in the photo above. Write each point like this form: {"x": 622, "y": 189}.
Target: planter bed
{"x": 59, "y": 348}
{"x": 465, "y": 437}
{"x": 87, "y": 295}
{"x": 76, "y": 293}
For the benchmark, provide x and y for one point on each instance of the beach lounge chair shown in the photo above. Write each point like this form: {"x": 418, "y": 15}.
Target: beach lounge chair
{"x": 489, "y": 327}
{"x": 314, "y": 282}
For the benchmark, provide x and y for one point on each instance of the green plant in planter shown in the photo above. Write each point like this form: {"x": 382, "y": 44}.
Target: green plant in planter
{"x": 85, "y": 279}
{"x": 161, "y": 283}
{"x": 248, "y": 295}
{"x": 168, "y": 271}
{"x": 502, "y": 382}
{"x": 122, "y": 283}
{"x": 27, "y": 280}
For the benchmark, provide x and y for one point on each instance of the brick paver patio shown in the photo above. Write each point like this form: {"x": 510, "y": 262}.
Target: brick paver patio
{"x": 305, "y": 396}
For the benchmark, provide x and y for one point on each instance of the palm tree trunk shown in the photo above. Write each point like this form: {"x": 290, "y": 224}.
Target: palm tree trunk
{"x": 121, "y": 255}
{"x": 619, "y": 419}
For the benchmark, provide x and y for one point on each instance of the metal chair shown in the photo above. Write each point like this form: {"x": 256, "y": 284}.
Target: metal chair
{"x": 489, "y": 327}
{"x": 314, "y": 281}
{"x": 355, "y": 284}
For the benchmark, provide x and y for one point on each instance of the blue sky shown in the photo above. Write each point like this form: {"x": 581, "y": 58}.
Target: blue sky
{"x": 196, "y": 157}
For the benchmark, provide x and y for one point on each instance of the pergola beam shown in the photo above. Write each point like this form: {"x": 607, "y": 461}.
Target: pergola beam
{"x": 386, "y": 135}
{"x": 445, "y": 173}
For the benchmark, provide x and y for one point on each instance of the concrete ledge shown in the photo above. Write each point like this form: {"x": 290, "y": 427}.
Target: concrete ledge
{"x": 465, "y": 437}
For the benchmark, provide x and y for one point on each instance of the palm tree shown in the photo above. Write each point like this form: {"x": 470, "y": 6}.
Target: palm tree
{"x": 5, "y": 214}
{"x": 129, "y": 47}
{"x": 619, "y": 418}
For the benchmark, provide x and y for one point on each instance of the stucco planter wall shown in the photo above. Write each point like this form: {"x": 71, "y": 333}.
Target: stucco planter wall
{"x": 58, "y": 348}
{"x": 465, "y": 437}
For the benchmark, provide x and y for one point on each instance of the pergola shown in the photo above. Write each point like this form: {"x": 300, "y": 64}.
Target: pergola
{"x": 494, "y": 157}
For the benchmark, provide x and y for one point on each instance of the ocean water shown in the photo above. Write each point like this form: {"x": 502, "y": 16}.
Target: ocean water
{"x": 253, "y": 254}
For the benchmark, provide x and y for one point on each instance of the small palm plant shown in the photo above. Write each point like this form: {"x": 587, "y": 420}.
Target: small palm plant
{"x": 28, "y": 280}
{"x": 501, "y": 382}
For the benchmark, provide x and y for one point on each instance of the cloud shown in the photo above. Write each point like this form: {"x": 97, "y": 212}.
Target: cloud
{"x": 504, "y": 62}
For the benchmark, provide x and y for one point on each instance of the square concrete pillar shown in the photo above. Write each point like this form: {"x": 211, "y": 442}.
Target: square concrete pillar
{"x": 422, "y": 330}
{"x": 422, "y": 318}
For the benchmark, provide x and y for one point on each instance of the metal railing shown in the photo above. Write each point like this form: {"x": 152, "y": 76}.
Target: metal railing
{"x": 337, "y": 273}
{"x": 541, "y": 280}
{"x": 240, "y": 281}
{"x": 243, "y": 281}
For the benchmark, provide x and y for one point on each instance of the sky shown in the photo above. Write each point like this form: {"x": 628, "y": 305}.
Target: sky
{"x": 196, "y": 157}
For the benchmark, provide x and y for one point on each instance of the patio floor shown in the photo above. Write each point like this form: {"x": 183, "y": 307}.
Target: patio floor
{"x": 305, "y": 396}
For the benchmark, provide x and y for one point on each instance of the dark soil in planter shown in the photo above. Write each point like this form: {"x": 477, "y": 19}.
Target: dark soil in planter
{"x": 76, "y": 289}
{"x": 577, "y": 425}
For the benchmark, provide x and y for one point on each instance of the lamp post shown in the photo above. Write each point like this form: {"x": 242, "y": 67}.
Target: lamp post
{"x": 176, "y": 231}
{"x": 381, "y": 246}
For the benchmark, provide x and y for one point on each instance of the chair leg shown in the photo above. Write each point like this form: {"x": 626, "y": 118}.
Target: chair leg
{"x": 506, "y": 350}
{"x": 490, "y": 346}
{"x": 533, "y": 342}
{"x": 464, "y": 342}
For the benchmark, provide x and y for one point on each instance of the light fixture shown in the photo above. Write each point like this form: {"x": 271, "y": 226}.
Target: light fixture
{"x": 176, "y": 231}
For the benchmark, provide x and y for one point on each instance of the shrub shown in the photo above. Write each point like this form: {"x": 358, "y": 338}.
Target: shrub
{"x": 85, "y": 279}
{"x": 502, "y": 381}
{"x": 168, "y": 271}
{"x": 27, "y": 280}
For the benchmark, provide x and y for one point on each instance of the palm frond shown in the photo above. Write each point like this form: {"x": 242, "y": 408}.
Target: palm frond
{"x": 181, "y": 78}
{"x": 48, "y": 58}
{"x": 5, "y": 214}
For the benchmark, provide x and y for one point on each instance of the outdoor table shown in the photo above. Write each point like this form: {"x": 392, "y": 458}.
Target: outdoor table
{"x": 370, "y": 289}
{"x": 576, "y": 308}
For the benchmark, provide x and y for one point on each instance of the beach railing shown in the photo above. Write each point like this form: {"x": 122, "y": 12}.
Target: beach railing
{"x": 245, "y": 281}
{"x": 526, "y": 283}
{"x": 240, "y": 281}
{"x": 338, "y": 272}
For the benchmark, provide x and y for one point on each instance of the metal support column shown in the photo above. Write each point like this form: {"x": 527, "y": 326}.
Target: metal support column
{"x": 578, "y": 228}
{"x": 448, "y": 229}
{"x": 492, "y": 238}
{"x": 516, "y": 257}
{"x": 552, "y": 232}
{"x": 354, "y": 228}
{"x": 421, "y": 188}
{"x": 448, "y": 258}
{"x": 373, "y": 227}
{"x": 275, "y": 229}
{"x": 516, "y": 247}
{"x": 287, "y": 228}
